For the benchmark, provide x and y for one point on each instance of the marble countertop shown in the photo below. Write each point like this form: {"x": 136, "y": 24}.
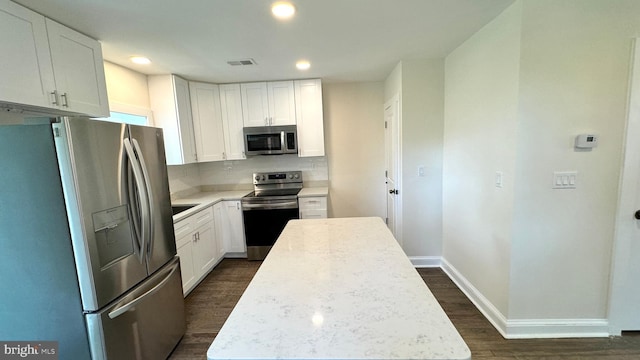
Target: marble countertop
{"x": 204, "y": 199}
{"x": 337, "y": 289}
{"x": 313, "y": 191}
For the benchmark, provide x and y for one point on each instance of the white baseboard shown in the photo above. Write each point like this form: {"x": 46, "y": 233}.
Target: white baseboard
{"x": 557, "y": 328}
{"x": 426, "y": 261}
{"x": 526, "y": 328}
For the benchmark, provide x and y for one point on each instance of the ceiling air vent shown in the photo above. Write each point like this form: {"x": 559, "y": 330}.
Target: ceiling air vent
{"x": 243, "y": 62}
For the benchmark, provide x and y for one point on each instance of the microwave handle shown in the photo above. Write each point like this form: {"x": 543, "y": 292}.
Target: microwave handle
{"x": 283, "y": 140}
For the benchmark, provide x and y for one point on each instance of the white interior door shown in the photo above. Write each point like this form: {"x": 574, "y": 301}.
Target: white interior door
{"x": 624, "y": 310}
{"x": 392, "y": 174}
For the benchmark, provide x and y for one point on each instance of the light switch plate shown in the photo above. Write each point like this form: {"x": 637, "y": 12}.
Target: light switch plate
{"x": 499, "y": 179}
{"x": 565, "y": 179}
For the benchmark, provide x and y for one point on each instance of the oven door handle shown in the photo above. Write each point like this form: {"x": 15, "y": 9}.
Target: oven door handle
{"x": 278, "y": 205}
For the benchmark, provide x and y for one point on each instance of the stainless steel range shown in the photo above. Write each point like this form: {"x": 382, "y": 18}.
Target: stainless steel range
{"x": 268, "y": 208}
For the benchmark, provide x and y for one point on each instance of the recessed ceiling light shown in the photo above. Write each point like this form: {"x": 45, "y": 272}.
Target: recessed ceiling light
{"x": 140, "y": 60}
{"x": 303, "y": 65}
{"x": 283, "y": 10}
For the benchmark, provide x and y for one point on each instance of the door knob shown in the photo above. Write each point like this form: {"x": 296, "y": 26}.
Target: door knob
{"x": 395, "y": 191}
{"x": 637, "y": 215}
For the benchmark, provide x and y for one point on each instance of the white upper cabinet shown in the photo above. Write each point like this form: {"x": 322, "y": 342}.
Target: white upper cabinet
{"x": 282, "y": 105}
{"x": 255, "y": 106}
{"x": 47, "y": 65}
{"x": 268, "y": 103}
{"x": 171, "y": 106}
{"x": 79, "y": 71}
{"x": 309, "y": 116}
{"x": 25, "y": 67}
{"x": 207, "y": 121}
{"x": 232, "y": 122}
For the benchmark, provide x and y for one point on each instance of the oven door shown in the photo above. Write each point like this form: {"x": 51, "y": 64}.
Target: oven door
{"x": 263, "y": 223}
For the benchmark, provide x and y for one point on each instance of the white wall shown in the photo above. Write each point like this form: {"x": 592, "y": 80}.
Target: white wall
{"x": 127, "y": 90}
{"x": 422, "y": 114}
{"x": 574, "y": 79}
{"x": 354, "y": 139}
{"x": 420, "y": 86}
{"x": 481, "y": 89}
{"x": 516, "y": 94}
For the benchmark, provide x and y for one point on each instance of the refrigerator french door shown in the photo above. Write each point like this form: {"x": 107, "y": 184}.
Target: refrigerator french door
{"x": 112, "y": 182}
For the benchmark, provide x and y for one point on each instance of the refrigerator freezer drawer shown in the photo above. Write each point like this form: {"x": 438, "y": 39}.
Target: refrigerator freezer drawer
{"x": 147, "y": 323}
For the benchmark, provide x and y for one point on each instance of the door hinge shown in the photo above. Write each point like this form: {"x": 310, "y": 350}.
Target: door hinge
{"x": 385, "y": 124}
{"x": 56, "y": 132}
{"x": 386, "y": 221}
{"x": 386, "y": 173}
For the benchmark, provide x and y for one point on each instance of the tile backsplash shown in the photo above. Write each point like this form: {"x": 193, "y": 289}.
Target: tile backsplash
{"x": 237, "y": 174}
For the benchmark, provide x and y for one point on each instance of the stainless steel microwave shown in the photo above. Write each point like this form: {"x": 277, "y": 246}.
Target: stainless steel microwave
{"x": 270, "y": 140}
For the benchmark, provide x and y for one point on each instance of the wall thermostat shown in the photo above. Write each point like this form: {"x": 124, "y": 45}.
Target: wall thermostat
{"x": 586, "y": 141}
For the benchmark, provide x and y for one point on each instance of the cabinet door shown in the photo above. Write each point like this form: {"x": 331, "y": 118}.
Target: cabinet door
{"x": 171, "y": 106}
{"x": 309, "y": 117}
{"x": 79, "y": 71}
{"x": 232, "y": 122}
{"x": 205, "y": 249}
{"x": 233, "y": 232}
{"x": 282, "y": 106}
{"x": 185, "y": 252}
{"x": 255, "y": 104}
{"x": 25, "y": 66}
{"x": 220, "y": 224}
{"x": 207, "y": 121}
{"x": 185, "y": 120}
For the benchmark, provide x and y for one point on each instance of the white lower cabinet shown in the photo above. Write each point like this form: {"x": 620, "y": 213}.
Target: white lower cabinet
{"x": 197, "y": 246}
{"x": 313, "y": 207}
{"x": 233, "y": 229}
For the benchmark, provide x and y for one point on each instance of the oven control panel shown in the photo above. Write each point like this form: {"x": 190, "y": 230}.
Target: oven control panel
{"x": 277, "y": 177}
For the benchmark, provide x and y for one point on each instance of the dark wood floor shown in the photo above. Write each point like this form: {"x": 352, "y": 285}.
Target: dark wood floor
{"x": 212, "y": 301}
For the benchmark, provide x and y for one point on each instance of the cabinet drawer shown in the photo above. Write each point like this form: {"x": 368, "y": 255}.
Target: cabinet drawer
{"x": 185, "y": 227}
{"x": 203, "y": 217}
{"x": 309, "y": 203}
{"x": 313, "y": 214}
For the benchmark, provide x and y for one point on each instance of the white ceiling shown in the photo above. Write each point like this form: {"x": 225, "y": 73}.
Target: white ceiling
{"x": 345, "y": 40}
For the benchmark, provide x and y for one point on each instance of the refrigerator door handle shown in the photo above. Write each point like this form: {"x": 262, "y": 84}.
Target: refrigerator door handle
{"x": 124, "y": 308}
{"x": 138, "y": 177}
{"x": 150, "y": 200}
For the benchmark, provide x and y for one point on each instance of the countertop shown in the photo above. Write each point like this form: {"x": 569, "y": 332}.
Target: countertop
{"x": 337, "y": 289}
{"x": 204, "y": 199}
{"x": 313, "y": 191}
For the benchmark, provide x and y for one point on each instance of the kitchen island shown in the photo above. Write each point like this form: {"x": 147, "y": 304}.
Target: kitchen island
{"x": 337, "y": 289}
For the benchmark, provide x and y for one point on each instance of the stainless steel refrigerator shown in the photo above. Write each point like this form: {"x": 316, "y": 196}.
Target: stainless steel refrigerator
{"x": 87, "y": 249}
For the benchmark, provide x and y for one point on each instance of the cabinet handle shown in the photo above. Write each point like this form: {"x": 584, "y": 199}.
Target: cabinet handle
{"x": 65, "y": 101}
{"x": 55, "y": 97}
{"x": 224, "y": 155}
{"x": 266, "y": 121}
